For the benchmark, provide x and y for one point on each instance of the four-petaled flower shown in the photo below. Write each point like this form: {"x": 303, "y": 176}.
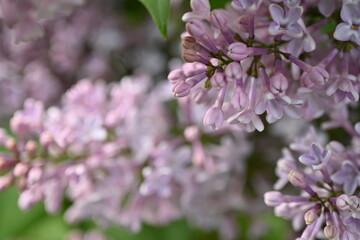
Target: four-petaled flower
{"x": 316, "y": 158}
{"x": 349, "y": 30}
{"x": 285, "y": 23}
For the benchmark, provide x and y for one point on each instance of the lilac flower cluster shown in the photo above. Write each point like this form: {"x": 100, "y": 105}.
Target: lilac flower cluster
{"x": 328, "y": 177}
{"x": 25, "y": 17}
{"x": 268, "y": 56}
{"x": 73, "y": 47}
{"x": 113, "y": 151}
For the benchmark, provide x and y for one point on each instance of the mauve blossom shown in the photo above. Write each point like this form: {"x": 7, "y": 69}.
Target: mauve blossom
{"x": 349, "y": 29}
{"x": 233, "y": 50}
{"x": 285, "y": 22}
{"x": 317, "y": 158}
{"x": 214, "y": 117}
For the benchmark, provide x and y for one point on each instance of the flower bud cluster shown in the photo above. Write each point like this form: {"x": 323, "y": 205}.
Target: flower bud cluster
{"x": 328, "y": 178}
{"x": 260, "y": 56}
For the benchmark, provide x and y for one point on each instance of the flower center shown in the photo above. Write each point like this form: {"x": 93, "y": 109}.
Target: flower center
{"x": 282, "y": 27}
{"x": 354, "y": 27}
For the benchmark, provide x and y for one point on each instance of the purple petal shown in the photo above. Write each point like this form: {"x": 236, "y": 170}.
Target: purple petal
{"x": 293, "y": 15}
{"x": 341, "y": 177}
{"x": 309, "y": 43}
{"x": 261, "y": 107}
{"x": 293, "y": 111}
{"x": 326, "y": 7}
{"x": 245, "y": 117}
{"x": 349, "y": 13}
{"x": 277, "y": 13}
{"x": 350, "y": 186}
{"x": 275, "y": 109}
{"x": 307, "y": 159}
{"x": 315, "y": 151}
{"x": 294, "y": 30}
{"x": 343, "y": 32}
{"x": 257, "y": 123}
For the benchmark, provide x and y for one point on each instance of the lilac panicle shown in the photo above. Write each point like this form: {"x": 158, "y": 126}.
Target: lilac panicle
{"x": 257, "y": 40}
{"x": 105, "y": 135}
{"x": 329, "y": 183}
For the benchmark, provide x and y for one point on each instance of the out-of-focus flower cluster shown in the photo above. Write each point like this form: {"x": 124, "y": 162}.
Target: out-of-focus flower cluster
{"x": 74, "y": 46}
{"x": 25, "y": 16}
{"x": 328, "y": 177}
{"x": 121, "y": 158}
{"x": 268, "y": 56}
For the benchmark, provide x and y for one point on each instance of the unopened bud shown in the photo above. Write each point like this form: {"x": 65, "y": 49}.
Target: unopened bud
{"x": 279, "y": 84}
{"x": 318, "y": 75}
{"x": 218, "y": 80}
{"x": 218, "y": 19}
{"x": 330, "y": 231}
{"x": 342, "y": 202}
{"x": 192, "y": 133}
{"x": 238, "y": 51}
{"x": 273, "y": 199}
{"x": 46, "y": 139}
{"x": 11, "y": 144}
{"x": 176, "y": 75}
{"x": 233, "y": 71}
{"x": 181, "y": 89}
{"x": 214, "y": 117}
{"x": 310, "y": 216}
{"x": 188, "y": 42}
{"x": 20, "y": 169}
{"x": 195, "y": 28}
{"x": 297, "y": 179}
{"x": 240, "y": 100}
{"x": 190, "y": 55}
{"x": 31, "y": 148}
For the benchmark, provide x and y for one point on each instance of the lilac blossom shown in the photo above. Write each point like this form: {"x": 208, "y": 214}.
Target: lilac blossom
{"x": 105, "y": 135}
{"x": 349, "y": 29}
{"x": 285, "y": 23}
{"x": 231, "y": 51}
{"x": 316, "y": 158}
{"x": 328, "y": 174}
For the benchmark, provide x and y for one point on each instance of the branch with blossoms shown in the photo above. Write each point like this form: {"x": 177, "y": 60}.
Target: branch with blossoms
{"x": 128, "y": 153}
{"x": 267, "y": 56}
{"x": 103, "y": 151}
{"x": 262, "y": 57}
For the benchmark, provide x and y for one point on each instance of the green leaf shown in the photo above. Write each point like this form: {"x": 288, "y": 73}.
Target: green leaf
{"x": 159, "y": 10}
{"x": 218, "y": 3}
